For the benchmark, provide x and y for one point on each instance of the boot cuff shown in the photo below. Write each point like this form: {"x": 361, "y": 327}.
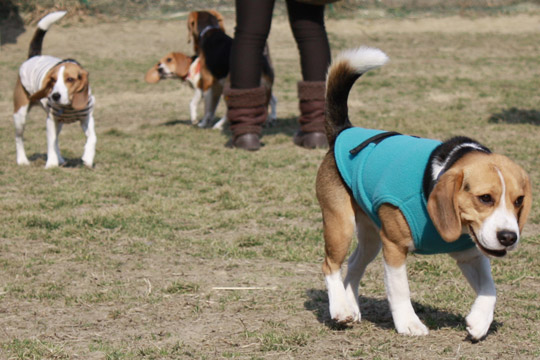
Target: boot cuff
{"x": 311, "y": 90}
{"x": 242, "y": 98}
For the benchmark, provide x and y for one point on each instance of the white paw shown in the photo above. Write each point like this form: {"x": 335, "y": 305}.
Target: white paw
{"x": 23, "y": 161}
{"x": 478, "y": 324}
{"x": 342, "y": 313}
{"x": 88, "y": 163}
{"x": 203, "y": 123}
{"x": 344, "y": 316}
{"x": 410, "y": 325}
{"x": 50, "y": 165}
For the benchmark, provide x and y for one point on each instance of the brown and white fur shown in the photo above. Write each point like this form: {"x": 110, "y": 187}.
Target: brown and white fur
{"x": 62, "y": 89}
{"x": 206, "y": 72}
{"x": 483, "y": 194}
{"x": 177, "y": 65}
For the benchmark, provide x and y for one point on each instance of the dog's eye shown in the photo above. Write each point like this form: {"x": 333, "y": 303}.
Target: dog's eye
{"x": 169, "y": 59}
{"x": 486, "y": 199}
{"x": 70, "y": 79}
{"x": 519, "y": 201}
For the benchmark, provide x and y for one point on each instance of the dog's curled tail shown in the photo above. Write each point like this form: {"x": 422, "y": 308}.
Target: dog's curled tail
{"x": 345, "y": 69}
{"x": 43, "y": 25}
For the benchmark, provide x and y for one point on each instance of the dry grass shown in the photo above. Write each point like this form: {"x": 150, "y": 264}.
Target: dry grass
{"x": 122, "y": 261}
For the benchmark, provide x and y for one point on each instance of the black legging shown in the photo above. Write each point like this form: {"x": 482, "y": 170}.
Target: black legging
{"x": 253, "y": 21}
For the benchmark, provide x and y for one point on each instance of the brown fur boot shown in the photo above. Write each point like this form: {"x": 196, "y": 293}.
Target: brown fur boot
{"x": 311, "y": 95}
{"x": 247, "y": 110}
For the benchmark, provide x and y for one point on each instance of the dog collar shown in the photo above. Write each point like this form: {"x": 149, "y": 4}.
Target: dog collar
{"x": 68, "y": 61}
{"x": 206, "y": 29}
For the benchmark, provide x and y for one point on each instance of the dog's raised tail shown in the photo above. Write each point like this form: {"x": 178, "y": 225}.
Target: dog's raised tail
{"x": 345, "y": 69}
{"x": 43, "y": 25}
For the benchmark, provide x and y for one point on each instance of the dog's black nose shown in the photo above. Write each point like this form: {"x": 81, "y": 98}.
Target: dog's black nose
{"x": 55, "y": 96}
{"x": 506, "y": 237}
{"x": 160, "y": 70}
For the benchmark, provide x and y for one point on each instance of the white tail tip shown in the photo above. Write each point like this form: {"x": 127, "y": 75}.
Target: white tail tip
{"x": 363, "y": 59}
{"x": 49, "y": 19}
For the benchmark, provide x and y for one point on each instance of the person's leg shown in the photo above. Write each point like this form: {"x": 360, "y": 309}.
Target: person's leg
{"x": 246, "y": 99}
{"x": 253, "y": 21}
{"x": 307, "y": 24}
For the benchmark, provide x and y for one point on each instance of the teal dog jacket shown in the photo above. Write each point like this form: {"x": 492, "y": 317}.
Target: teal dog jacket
{"x": 391, "y": 171}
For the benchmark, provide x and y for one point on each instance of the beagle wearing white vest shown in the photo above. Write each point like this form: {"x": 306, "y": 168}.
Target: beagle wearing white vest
{"x": 62, "y": 89}
{"x": 458, "y": 198}
{"x": 206, "y": 72}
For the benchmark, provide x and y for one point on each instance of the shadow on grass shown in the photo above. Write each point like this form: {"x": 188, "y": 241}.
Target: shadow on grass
{"x": 287, "y": 126}
{"x": 70, "y": 162}
{"x": 176, "y": 122}
{"x": 516, "y": 116}
{"x": 377, "y": 312}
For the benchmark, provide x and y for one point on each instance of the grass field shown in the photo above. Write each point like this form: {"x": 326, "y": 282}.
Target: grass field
{"x": 129, "y": 260}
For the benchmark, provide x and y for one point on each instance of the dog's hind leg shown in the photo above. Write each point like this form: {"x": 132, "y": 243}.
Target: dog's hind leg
{"x": 272, "y": 116}
{"x": 21, "y": 107}
{"x": 339, "y": 226}
{"x": 476, "y": 268}
{"x": 211, "y": 101}
{"x": 369, "y": 245}
{"x": 221, "y": 123}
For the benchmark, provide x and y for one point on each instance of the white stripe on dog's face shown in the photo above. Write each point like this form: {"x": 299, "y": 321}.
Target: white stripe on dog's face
{"x": 59, "y": 93}
{"x": 500, "y": 220}
{"x": 165, "y": 71}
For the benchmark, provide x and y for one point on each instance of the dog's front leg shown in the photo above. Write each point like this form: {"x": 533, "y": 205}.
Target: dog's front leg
{"x": 19, "y": 119}
{"x": 397, "y": 290}
{"x": 396, "y": 239}
{"x": 193, "y": 105}
{"x": 53, "y": 150}
{"x": 477, "y": 269}
{"x": 91, "y": 139}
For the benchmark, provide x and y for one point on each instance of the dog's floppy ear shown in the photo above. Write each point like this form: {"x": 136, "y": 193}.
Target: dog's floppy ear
{"x": 152, "y": 75}
{"x": 442, "y": 205}
{"x": 183, "y": 63}
{"x": 220, "y": 19}
{"x": 192, "y": 25}
{"x": 527, "y": 203}
{"x": 45, "y": 90}
{"x": 80, "y": 96}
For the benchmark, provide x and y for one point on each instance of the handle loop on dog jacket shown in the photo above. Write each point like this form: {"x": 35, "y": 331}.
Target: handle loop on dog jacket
{"x": 374, "y": 139}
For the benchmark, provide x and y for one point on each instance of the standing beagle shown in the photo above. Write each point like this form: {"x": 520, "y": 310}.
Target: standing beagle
{"x": 176, "y": 65}
{"x": 61, "y": 87}
{"x": 207, "y": 71}
{"x": 406, "y": 194}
